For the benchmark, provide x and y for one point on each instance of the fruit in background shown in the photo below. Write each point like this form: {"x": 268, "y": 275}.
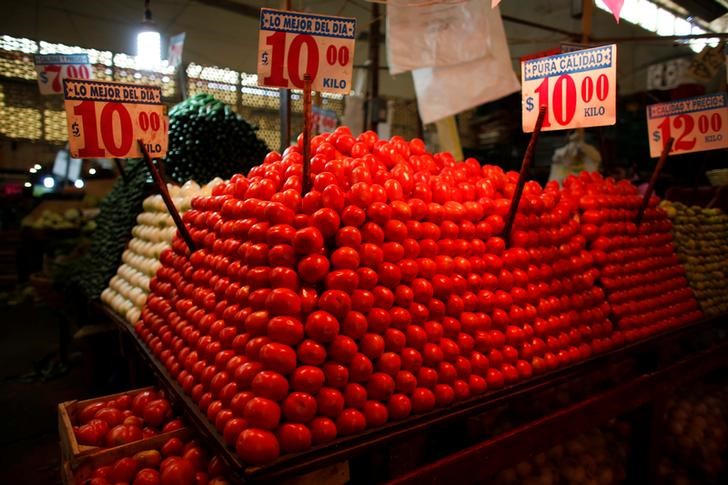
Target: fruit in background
{"x": 69, "y": 219}
{"x": 186, "y": 463}
{"x": 697, "y": 432}
{"x": 596, "y": 457}
{"x": 701, "y": 240}
{"x": 120, "y": 420}
{"x": 384, "y": 291}
{"x": 207, "y": 139}
{"x": 128, "y": 289}
{"x": 639, "y": 270}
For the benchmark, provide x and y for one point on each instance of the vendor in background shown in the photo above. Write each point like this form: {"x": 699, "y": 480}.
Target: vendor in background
{"x": 575, "y": 157}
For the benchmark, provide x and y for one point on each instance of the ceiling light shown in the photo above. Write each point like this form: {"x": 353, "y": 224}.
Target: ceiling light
{"x": 149, "y": 42}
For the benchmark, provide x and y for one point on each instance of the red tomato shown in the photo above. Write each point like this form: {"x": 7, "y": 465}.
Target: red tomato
{"x": 323, "y": 430}
{"x": 123, "y": 470}
{"x": 399, "y": 406}
{"x": 375, "y": 413}
{"x": 311, "y": 353}
{"x": 423, "y": 400}
{"x": 262, "y": 413}
{"x": 307, "y": 379}
{"x": 350, "y": 421}
{"x": 269, "y": 384}
{"x": 355, "y": 395}
{"x": 156, "y": 412}
{"x": 257, "y": 446}
{"x": 232, "y": 430}
{"x": 140, "y": 401}
{"x": 286, "y": 330}
{"x": 330, "y": 402}
{"x": 122, "y": 434}
{"x": 147, "y": 476}
{"x": 173, "y": 447}
{"x": 89, "y": 411}
{"x": 321, "y": 326}
{"x": 172, "y": 425}
{"x": 380, "y": 386}
{"x": 299, "y": 407}
{"x": 196, "y": 457}
{"x": 278, "y": 357}
{"x": 177, "y": 472}
{"x": 294, "y": 437}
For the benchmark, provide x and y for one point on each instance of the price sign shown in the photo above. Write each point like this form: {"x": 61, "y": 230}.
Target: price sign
{"x": 52, "y": 69}
{"x": 324, "y": 120}
{"x": 106, "y": 119}
{"x": 577, "y": 88}
{"x": 292, "y": 44}
{"x": 669, "y": 74}
{"x": 697, "y": 124}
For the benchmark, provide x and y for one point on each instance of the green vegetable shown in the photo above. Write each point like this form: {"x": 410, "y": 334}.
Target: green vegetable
{"x": 207, "y": 140}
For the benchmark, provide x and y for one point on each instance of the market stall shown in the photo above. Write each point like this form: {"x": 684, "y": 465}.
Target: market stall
{"x": 307, "y": 280}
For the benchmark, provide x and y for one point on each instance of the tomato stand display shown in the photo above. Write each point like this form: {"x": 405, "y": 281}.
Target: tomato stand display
{"x": 305, "y": 330}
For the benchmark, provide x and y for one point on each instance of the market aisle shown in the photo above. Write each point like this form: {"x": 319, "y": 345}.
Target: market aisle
{"x": 31, "y": 385}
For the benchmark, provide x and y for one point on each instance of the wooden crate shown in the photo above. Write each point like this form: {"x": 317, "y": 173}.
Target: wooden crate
{"x": 72, "y": 450}
{"x": 75, "y": 473}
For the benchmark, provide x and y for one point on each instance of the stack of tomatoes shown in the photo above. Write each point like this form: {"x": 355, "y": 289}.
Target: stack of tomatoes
{"x": 177, "y": 462}
{"x": 554, "y": 302}
{"x": 124, "y": 419}
{"x": 645, "y": 283}
{"x": 384, "y": 291}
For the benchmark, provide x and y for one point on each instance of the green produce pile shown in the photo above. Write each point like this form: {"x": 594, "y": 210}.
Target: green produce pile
{"x": 119, "y": 209}
{"x": 701, "y": 240}
{"x": 207, "y": 140}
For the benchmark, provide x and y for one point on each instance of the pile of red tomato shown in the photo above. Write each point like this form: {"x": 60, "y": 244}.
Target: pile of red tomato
{"x": 383, "y": 292}
{"x": 124, "y": 419}
{"x": 645, "y": 283}
{"x": 177, "y": 462}
{"x": 557, "y": 312}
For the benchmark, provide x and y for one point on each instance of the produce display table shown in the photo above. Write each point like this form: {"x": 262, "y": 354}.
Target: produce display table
{"x": 632, "y": 376}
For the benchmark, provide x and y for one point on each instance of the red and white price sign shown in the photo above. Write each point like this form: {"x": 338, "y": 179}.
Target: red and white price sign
{"x": 291, "y": 44}
{"x": 106, "y": 119}
{"x": 52, "y": 69}
{"x": 697, "y": 124}
{"x": 325, "y": 120}
{"x": 578, "y": 89}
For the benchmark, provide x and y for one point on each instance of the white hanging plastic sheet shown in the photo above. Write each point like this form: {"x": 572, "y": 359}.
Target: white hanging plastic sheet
{"x": 435, "y": 34}
{"x": 445, "y": 91}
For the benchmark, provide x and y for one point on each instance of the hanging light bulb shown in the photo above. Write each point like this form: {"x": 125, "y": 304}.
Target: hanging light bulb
{"x": 149, "y": 42}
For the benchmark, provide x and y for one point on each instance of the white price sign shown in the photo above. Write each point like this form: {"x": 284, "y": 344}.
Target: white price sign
{"x": 52, "y": 69}
{"x": 106, "y": 119}
{"x": 292, "y": 44}
{"x": 696, "y": 124}
{"x": 578, "y": 89}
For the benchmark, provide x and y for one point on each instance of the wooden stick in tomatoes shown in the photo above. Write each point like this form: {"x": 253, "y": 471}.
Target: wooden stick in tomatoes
{"x": 653, "y": 180}
{"x": 306, "y": 182}
{"x": 525, "y": 166}
{"x": 162, "y": 187}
